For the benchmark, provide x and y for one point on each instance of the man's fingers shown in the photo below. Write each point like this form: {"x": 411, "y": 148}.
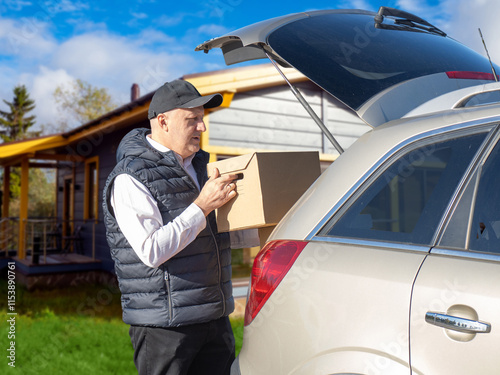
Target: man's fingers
{"x": 222, "y": 179}
{"x": 215, "y": 174}
{"x": 217, "y": 191}
{"x": 231, "y": 195}
{"x": 228, "y": 178}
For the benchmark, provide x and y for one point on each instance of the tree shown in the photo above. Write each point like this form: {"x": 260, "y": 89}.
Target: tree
{"x": 42, "y": 194}
{"x": 16, "y": 123}
{"x": 15, "y": 126}
{"x": 81, "y": 102}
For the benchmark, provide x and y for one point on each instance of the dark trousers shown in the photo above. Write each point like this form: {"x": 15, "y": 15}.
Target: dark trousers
{"x": 206, "y": 348}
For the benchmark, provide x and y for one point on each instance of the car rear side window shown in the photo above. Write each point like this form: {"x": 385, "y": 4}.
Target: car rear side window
{"x": 485, "y": 228}
{"x": 406, "y": 202}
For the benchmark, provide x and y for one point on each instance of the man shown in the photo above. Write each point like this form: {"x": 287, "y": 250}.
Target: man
{"x": 173, "y": 267}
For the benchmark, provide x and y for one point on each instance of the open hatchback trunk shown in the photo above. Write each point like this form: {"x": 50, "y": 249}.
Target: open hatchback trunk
{"x": 383, "y": 65}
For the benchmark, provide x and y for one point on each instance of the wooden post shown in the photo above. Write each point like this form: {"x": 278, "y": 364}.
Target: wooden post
{"x": 204, "y": 139}
{"x": 94, "y": 223}
{"x": 23, "y": 211}
{"x": 5, "y": 208}
{"x": 6, "y": 192}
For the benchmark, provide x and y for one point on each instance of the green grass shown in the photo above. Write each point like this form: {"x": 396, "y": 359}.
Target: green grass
{"x": 50, "y": 344}
{"x": 73, "y": 330}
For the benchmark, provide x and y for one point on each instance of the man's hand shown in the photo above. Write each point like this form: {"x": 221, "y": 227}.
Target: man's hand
{"x": 217, "y": 191}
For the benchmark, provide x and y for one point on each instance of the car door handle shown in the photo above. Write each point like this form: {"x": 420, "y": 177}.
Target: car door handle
{"x": 456, "y": 324}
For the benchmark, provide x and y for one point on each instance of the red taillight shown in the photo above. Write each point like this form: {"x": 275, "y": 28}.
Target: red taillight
{"x": 269, "y": 267}
{"x": 471, "y": 75}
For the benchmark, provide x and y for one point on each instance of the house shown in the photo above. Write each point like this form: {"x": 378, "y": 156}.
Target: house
{"x": 259, "y": 112}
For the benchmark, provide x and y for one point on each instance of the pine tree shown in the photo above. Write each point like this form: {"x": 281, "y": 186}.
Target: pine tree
{"x": 14, "y": 125}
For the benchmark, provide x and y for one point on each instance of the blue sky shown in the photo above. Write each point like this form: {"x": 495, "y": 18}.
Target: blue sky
{"x": 113, "y": 44}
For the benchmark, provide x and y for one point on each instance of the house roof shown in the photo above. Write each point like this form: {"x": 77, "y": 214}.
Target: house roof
{"x": 242, "y": 79}
{"x": 11, "y": 149}
{"x": 226, "y": 81}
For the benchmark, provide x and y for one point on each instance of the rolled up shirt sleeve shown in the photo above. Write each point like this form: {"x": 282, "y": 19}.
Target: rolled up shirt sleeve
{"x": 140, "y": 220}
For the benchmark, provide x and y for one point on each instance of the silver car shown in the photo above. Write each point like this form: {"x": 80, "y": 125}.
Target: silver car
{"x": 390, "y": 262}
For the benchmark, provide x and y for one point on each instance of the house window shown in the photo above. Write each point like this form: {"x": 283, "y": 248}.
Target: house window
{"x": 91, "y": 188}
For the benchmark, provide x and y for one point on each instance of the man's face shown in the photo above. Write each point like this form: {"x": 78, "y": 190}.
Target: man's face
{"x": 183, "y": 130}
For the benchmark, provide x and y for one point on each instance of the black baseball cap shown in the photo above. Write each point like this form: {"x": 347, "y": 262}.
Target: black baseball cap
{"x": 180, "y": 94}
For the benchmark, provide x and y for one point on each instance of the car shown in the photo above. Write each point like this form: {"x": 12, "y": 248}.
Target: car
{"x": 390, "y": 262}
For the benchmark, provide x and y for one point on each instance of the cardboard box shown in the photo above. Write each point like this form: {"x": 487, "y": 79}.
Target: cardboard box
{"x": 269, "y": 185}
{"x": 264, "y": 234}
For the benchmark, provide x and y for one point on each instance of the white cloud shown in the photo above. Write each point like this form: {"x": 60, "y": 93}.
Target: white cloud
{"x": 140, "y": 16}
{"x": 215, "y": 66}
{"x": 44, "y": 84}
{"x": 103, "y": 59}
{"x": 9, "y": 79}
{"x": 26, "y": 37}
{"x": 176, "y": 19}
{"x": 416, "y": 7}
{"x": 81, "y": 26}
{"x": 52, "y": 8}
{"x": 115, "y": 62}
{"x": 360, "y": 4}
{"x": 212, "y": 29}
{"x": 167, "y": 21}
{"x": 152, "y": 38}
{"x": 16, "y": 5}
{"x": 465, "y": 17}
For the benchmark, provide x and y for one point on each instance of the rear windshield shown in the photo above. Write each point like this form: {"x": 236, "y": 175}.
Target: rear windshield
{"x": 347, "y": 56}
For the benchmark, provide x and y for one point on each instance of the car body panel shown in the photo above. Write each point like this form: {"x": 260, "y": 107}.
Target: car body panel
{"x": 463, "y": 287}
{"x": 420, "y": 96}
{"x": 322, "y": 305}
{"x": 454, "y": 99}
{"x": 335, "y": 280}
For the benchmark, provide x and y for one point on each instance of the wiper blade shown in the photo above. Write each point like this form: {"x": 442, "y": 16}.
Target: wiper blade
{"x": 404, "y": 21}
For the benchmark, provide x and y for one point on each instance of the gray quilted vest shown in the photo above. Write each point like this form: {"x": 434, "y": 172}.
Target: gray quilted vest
{"x": 192, "y": 287}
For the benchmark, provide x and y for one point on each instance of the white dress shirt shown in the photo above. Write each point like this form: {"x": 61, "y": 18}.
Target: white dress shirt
{"x": 139, "y": 218}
